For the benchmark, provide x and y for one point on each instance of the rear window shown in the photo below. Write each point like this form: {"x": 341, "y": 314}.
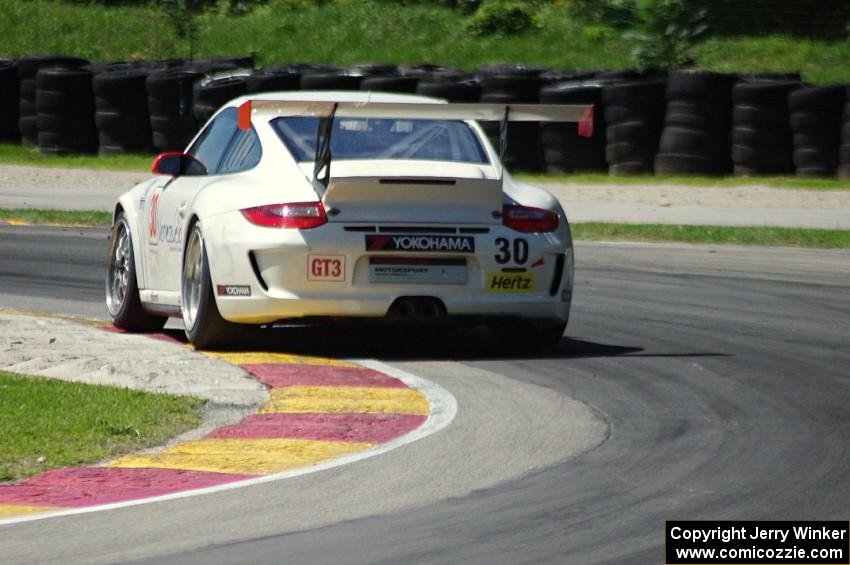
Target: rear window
{"x": 383, "y": 138}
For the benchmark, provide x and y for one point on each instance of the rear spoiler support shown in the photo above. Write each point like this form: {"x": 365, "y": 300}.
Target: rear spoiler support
{"x": 322, "y": 161}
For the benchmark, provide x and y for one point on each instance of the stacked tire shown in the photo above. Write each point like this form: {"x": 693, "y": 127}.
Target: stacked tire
{"x": 564, "y": 150}
{"x": 514, "y": 84}
{"x": 761, "y": 129}
{"x": 273, "y": 79}
{"x": 121, "y": 112}
{"x": 170, "y": 94}
{"x": 844, "y": 150}
{"x": 325, "y": 79}
{"x": 816, "y": 120}
{"x": 28, "y": 68}
{"x": 390, "y": 83}
{"x": 696, "y": 138}
{"x": 64, "y": 102}
{"x": 211, "y": 93}
{"x": 634, "y": 118}
{"x": 454, "y": 86}
{"x": 9, "y": 97}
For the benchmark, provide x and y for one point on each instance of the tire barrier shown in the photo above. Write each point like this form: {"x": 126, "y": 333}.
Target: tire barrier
{"x": 761, "y": 130}
{"x": 121, "y": 111}
{"x": 210, "y": 93}
{"x": 634, "y": 117}
{"x": 521, "y": 84}
{"x": 712, "y": 124}
{"x": 564, "y": 151}
{"x": 64, "y": 101}
{"x": 169, "y": 93}
{"x": 9, "y": 100}
{"x": 27, "y": 69}
{"x": 697, "y": 124}
{"x": 816, "y": 116}
{"x": 844, "y": 150}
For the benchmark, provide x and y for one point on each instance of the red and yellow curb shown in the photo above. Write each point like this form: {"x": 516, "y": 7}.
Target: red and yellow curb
{"x": 319, "y": 409}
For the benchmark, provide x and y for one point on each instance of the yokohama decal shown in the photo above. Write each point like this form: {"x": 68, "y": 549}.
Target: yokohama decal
{"x": 441, "y": 243}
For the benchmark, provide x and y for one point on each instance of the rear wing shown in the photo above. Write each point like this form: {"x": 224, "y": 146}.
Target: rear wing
{"x": 327, "y": 111}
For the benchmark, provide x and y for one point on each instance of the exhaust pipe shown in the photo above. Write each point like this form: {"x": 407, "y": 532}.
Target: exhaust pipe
{"x": 422, "y": 308}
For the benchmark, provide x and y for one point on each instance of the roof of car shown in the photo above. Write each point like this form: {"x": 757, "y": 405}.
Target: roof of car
{"x": 337, "y": 96}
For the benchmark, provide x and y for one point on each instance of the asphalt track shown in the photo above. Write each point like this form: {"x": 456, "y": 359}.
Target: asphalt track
{"x": 722, "y": 372}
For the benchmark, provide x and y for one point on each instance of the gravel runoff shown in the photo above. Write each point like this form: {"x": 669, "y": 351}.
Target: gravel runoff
{"x": 62, "y": 349}
{"x": 88, "y": 189}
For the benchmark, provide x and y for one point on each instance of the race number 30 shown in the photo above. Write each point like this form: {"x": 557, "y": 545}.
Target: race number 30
{"x": 508, "y": 251}
{"x": 326, "y": 267}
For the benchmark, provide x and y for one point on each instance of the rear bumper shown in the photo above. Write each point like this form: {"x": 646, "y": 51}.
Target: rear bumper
{"x": 275, "y": 265}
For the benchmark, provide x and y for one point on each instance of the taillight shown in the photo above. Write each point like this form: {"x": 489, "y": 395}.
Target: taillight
{"x": 299, "y": 215}
{"x": 528, "y": 219}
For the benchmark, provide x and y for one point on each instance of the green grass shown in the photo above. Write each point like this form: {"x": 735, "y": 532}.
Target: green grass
{"x": 12, "y": 154}
{"x": 345, "y": 32}
{"x": 780, "y": 237}
{"x": 46, "y": 423}
{"x": 58, "y": 217}
{"x": 798, "y": 183}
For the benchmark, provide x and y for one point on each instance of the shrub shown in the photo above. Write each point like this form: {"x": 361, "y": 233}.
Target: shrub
{"x": 502, "y": 17}
{"x": 665, "y": 33}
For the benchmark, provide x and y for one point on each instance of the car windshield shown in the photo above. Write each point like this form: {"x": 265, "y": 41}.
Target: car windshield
{"x": 384, "y": 138}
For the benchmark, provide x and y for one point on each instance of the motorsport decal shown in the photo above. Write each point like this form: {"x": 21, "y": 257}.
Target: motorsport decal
{"x": 233, "y": 290}
{"x": 511, "y": 282}
{"x": 440, "y": 243}
{"x": 326, "y": 268}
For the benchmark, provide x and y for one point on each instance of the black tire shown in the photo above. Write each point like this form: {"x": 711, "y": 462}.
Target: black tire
{"x": 272, "y": 81}
{"x": 459, "y": 90}
{"x": 687, "y": 164}
{"x": 403, "y": 84}
{"x": 625, "y": 151}
{"x": 331, "y": 81}
{"x": 699, "y": 84}
{"x": 686, "y": 140}
{"x": 125, "y": 308}
{"x": 824, "y": 98}
{"x": 203, "y": 324}
{"x": 631, "y": 168}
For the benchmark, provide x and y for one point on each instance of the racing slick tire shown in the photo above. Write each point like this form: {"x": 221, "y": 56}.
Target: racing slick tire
{"x": 203, "y": 324}
{"x": 122, "y": 291}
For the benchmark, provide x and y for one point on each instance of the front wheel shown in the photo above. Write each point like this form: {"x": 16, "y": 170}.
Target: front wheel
{"x": 204, "y": 326}
{"x": 122, "y": 290}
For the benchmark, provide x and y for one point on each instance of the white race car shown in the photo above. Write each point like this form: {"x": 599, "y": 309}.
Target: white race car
{"x": 314, "y": 206}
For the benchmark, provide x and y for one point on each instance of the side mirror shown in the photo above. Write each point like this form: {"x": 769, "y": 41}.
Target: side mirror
{"x": 174, "y": 164}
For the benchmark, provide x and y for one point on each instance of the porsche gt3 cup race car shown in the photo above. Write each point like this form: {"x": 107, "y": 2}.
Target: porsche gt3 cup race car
{"x": 314, "y": 206}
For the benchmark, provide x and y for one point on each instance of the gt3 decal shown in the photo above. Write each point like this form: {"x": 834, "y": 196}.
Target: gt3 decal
{"x": 326, "y": 268}
{"x": 510, "y": 282}
{"x": 441, "y": 243}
